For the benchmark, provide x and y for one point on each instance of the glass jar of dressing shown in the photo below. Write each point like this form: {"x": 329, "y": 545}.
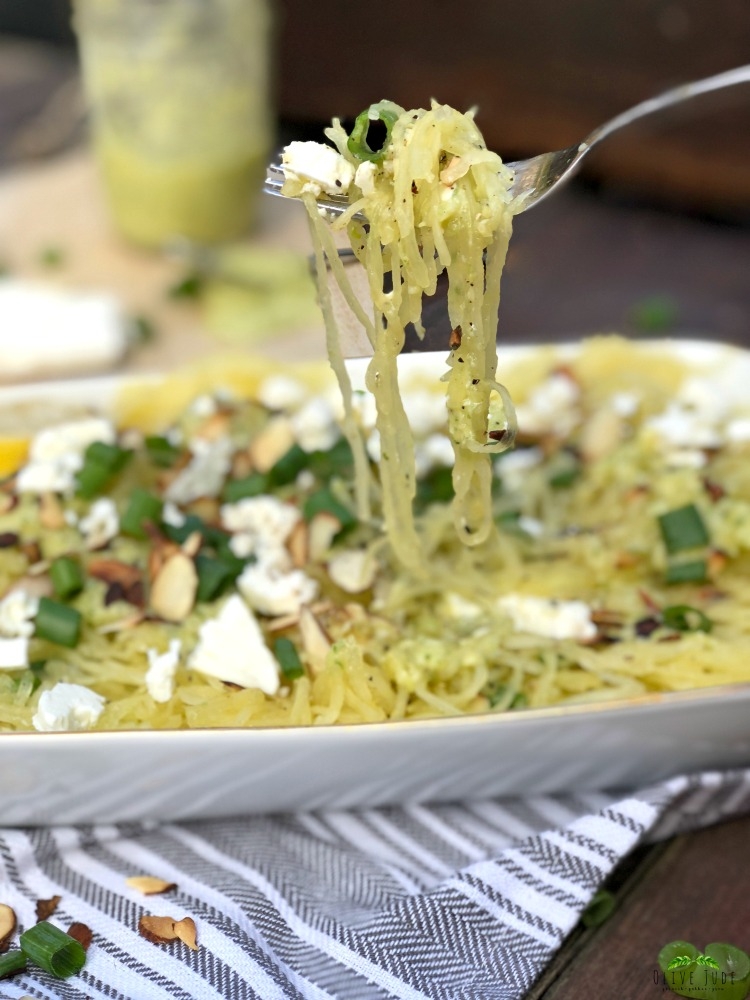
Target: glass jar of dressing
{"x": 181, "y": 113}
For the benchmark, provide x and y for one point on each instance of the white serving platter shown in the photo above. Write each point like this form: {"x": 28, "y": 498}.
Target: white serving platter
{"x": 104, "y": 777}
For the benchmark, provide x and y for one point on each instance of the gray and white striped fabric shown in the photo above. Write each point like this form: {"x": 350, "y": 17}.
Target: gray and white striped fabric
{"x": 456, "y": 902}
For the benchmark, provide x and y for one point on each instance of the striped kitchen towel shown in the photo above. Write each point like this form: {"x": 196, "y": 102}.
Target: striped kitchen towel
{"x": 451, "y": 902}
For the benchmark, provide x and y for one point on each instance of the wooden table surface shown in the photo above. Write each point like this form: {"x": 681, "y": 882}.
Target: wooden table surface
{"x": 580, "y": 264}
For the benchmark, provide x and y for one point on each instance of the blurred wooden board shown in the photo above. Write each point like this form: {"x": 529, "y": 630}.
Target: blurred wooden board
{"x": 60, "y": 204}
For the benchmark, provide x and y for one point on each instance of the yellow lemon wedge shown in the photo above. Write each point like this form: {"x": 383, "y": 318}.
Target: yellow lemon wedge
{"x": 13, "y": 453}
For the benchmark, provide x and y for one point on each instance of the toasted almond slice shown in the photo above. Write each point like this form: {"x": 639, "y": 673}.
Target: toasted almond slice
{"x": 158, "y": 930}
{"x": 81, "y": 933}
{"x": 46, "y": 907}
{"x": 7, "y": 502}
{"x": 35, "y": 586}
{"x": 208, "y": 509}
{"x": 7, "y": 924}
{"x": 114, "y": 571}
{"x": 315, "y": 640}
{"x": 174, "y": 589}
{"x": 149, "y": 885}
{"x": 323, "y": 529}
{"x": 214, "y": 427}
{"x": 242, "y": 464}
{"x": 298, "y": 544}
{"x": 191, "y": 545}
{"x": 353, "y": 570}
{"x": 186, "y": 932}
{"x": 51, "y": 513}
{"x": 275, "y": 440}
{"x": 283, "y": 622}
{"x": 601, "y": 434}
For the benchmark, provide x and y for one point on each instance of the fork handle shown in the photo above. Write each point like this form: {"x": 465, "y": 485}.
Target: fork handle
{"x": 685, "y": 91}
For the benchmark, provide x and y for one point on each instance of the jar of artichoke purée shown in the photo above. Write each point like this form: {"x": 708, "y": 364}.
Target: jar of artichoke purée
{"x": 181, "y": 116}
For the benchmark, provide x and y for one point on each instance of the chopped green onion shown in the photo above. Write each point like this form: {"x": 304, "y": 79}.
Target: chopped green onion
{"x": 435, "y": 487}
{"x": 599, "y": 909}
{"x": 288, "y": 466}
{"x": 695, "y": 571}
{"x": 53, "y": 950}
{"x": 337, "y": 461}
{"x": 357, "y": 144}
{"x": 143, "y": 507}
{"x": 52, "y": 256}
{"x": 67, "y": 577}
{"x": 683, "y": 528}
{"x": 101, "y": 462}
{"x": 12, "y": 961}
{"x": 655, "y": 314}
{"x": 215, "y": 574}
{"x": 189, "y": 287}
{"x": 685, "y": 618}
{"x": 323, "y": 501}
{"x": 217, "y": 538}
{"x": 249, "y": 486}
{"x": 161, "y": 451}
{"x": 565, "y": 476}
{"x": 286, "y": 653}
{"x": 57, "y": 623}
{"x": 142, "y": 330}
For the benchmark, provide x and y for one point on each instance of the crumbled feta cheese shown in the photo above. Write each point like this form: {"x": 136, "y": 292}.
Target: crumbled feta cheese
{"x": 364, "y": 177}
{"x": 426, "y": 410}
{"x": 101, "y": 524}
{"x": 205, "y": 473}
{"x": 436, "y": 451}
{"x": 531, "y": 526}
{"x": 512, "y": 467}
{"x": 172, "y": 515}
{"x": 56, "y": 454}
{"x": 552, "y": 407}
{"x": 314, "y": 426}
{"x": 316, "y": 168}
{"x": 232, "y": 648}
{"x": 625, "y": 404}
{"x": 266, "y": 518}
{"x": 681, "y": 427}
{"x": 162, "y": 668}
{"x": 17, "y": 612}
{"x": 549, "y": 618}
{"x": 274, "y": 592}
{"x": 14, "y": 653}
{"x": 203, "y": 406}
{"x": 364, "y": 406}
{"x": 738, "y": 430}
{"x": 456, "y": 606}
{"x": 67, "y": 708}
{"x": 280, "y": 392}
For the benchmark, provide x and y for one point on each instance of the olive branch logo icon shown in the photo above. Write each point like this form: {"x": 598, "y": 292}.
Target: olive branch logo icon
{"x": 680, "y": 961}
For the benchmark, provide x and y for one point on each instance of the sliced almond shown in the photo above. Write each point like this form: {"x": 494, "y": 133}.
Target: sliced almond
{"x": 174, "y": 588}
{"x": 214, "y": 427}
{"x": 46, "y": 907}
{"x": 35, "y": 586}
{"x": 7, "y": 924}
{"x": 158, "y": 930}
{"x": 186, "y": 932}
{"x": 191, "y": 545}
{"x": 7, "y": 502}
{"x": 275, "y": 440}
{"x": 51, "y": 513}
{"x": 323, "y": 528}
{"x": 601, "y": 434}
{"x": 315, "y": 640}
{"x": 353, "y": 570}
{"x": 149, "y": 885}
{"x": 242, "y": 464}
{"x": 298, "y": 544}
{"x": 717, "y": 560}
{"x": 31, "y": 550}
{"x": 81, "y": 933}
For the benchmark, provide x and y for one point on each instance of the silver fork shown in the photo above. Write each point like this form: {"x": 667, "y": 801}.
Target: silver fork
{"x": 539, "y": 176}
